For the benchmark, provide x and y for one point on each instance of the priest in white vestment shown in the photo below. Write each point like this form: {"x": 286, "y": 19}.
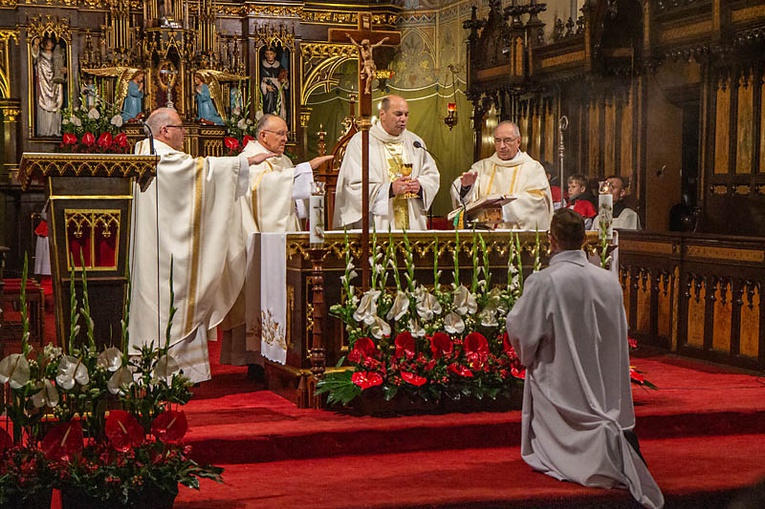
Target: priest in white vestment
{"x": 509, "y": 171}
{"x": 275, "y": 202}
{"x": 188, "y": 215}
{"x": 399, "y": 198}
{"x": 569, "y": 329}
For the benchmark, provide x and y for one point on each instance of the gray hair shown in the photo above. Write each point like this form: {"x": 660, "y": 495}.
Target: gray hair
{"x": 159, "y": 118}
{"x": 513, "y": 125}
{"x": 264, "y": 121}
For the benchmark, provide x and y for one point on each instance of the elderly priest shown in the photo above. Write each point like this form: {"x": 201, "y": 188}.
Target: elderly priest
{"x": 186, "y": 217}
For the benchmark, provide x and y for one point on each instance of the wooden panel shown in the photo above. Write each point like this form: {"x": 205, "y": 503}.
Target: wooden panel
{"x": 762, "y": 129}
{"x": 750, "y": 324}
{"x": 550, "y": 140}
{"x": 723, "y": 311}
{"x": 696, "y": 313}
{"x": 664, "y": 318}
{"x": 745, "y": 127}
{"x": 627, "y": 139}
{"x": 593, "y": 140}
{"x": 536, "y": 133}
{"x": 722, "y": 129}
{"x": 609, "y": 141}
{"x": 644, "y": 303}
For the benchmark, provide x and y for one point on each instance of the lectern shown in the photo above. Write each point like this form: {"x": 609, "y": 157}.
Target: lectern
{"x": 91, "y": 205}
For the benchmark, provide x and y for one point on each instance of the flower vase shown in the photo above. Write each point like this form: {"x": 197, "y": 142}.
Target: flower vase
{"x": 39, "y": 499}
{"x": 150, "y": 497}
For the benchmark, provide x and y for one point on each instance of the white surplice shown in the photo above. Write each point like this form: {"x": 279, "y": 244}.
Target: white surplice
{"x": 522, "y": 177}
{"x": 381, "y": 147}
{"x": 192, "y": 205}
{"x": 569, "y": 329}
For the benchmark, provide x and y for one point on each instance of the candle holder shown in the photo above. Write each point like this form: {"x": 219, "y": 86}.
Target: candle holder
{"x": 316, "y": 215}
{"x": 451, "y": 116}
{"x": 605, "y": 210}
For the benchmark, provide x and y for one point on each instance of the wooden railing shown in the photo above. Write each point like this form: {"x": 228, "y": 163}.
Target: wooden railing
{"x": 698, "y": 295}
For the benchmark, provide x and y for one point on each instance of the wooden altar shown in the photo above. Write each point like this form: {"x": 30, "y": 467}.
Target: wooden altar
{"x": 293, "y": 379}
{"x": 91, "y": 204}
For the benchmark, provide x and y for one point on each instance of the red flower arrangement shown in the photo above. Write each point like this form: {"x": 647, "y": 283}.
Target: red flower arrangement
{"x": 93, "y": 130}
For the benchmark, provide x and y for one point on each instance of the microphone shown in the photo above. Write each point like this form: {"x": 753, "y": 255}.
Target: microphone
{"x": 417, "y": 144}
{"x": 147, "y": 132}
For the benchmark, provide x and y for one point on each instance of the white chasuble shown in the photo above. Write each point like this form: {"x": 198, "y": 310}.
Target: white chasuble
{"x": 189, "y": 216}
{"x": 569, "y": 329}
{"x": 386, "y": 154}
{"x": 522, "y": 177}
{"x": 272, "y": 203}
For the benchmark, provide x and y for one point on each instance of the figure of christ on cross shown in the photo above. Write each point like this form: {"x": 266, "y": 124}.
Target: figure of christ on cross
{"x": 368, "y": 66}
{"x": 370, "y": 39}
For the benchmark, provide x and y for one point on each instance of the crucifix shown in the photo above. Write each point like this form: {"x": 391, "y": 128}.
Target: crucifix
{"x": 368, "y": 40}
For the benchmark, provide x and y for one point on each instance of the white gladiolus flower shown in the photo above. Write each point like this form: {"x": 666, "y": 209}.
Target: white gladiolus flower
{"x": 48, "y": 395}
{"x": 117, "y": 121}
{"x": 94, "y": 114}
{"x": 14, "y": 370}
{"x": 400, "y": 306}
{"x": 111, "y": 359}
{"x": 367, "y": 310}
{"x": 242, "y": 124}
{"x": 380, "y": 328}
{"x": 71, "y": 370}
{"x": 464, "y": 301}
{"x": 453, "y": 323}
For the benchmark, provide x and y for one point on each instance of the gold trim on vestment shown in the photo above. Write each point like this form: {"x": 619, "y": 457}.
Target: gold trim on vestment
{"x": 195, "y": 253}
{"x": 254, "y": 192}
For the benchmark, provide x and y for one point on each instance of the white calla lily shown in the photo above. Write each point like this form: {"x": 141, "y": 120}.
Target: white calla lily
{"x": 71, "y": 370}
{"x": 464, "y": 301}
{"x": 111, "y": 359}
{"x": 367, "y": 310}
{"x": 121, "y": 377}
{"x": 14, "y": 370}
{"x": 416, "y": 329}
{"x": 47, "y": 396}
{"x": 400, "y": 306}
{"x": 379, "y": 328}
{"x": 166, "y": 367}
{"x": 427, "y": 304}
{"x": 488, "y": 317}
{"x": 453, "y": 323}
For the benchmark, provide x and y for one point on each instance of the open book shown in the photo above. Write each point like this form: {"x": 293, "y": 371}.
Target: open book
{"x": 474, "y": 209}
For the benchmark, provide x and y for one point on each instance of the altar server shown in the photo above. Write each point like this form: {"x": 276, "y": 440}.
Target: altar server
{"x": 569, "y": 329}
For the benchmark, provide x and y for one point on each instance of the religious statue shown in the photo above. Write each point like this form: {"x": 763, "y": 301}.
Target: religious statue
{"x": 50, "y": 77}
{"x": 274, "y": 80}
{"x": 368, "y": 66}
{"x": 236, "y": 101}
{"x": 129, "y": 90}
{"x": 132, "y": 108}
{"x": 88, "y": 93}
{"x": 208, "y": 99}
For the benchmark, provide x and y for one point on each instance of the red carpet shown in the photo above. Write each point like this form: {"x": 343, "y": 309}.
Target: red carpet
{"x": 701, "y": 433}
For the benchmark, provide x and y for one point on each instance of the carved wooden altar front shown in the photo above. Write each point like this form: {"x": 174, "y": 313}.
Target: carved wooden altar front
{"x": 292, "y": 379}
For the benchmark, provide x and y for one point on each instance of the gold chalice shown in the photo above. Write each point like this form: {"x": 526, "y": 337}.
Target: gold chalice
{"x": 406, "y": 171}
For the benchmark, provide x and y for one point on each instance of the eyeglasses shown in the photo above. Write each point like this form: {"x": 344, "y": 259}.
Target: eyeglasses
{"x": 506, "y": 141}
{"x": 280, "y": 134}
{"x": 176, "y": 126}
